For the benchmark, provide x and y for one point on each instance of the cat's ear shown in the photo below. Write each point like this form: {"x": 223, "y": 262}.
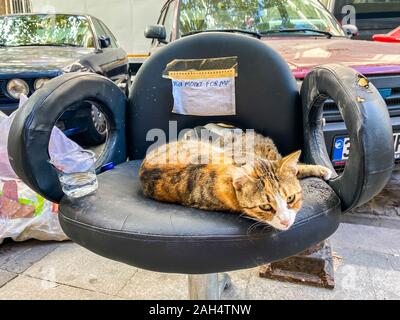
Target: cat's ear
{"x": 290, "y": 163}
{"x": 242, "y": 176}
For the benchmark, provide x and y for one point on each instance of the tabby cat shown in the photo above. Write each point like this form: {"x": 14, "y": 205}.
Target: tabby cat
{"x": 266, "y": 189}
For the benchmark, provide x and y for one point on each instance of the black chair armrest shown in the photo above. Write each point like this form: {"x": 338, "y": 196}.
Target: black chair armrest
{"x": 31, "y": 129}
{"x": 365, "y": 114}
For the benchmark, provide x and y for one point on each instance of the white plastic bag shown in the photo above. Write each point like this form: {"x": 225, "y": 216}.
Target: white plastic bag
{"x": 23, "y": 213}
{"x": 5, "y": 166}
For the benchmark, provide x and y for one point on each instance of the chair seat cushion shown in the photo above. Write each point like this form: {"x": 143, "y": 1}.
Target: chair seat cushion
{"x": 119, "y": 223}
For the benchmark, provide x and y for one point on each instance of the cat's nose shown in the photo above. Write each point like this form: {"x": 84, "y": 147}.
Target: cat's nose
{"x": 286, "y": 223}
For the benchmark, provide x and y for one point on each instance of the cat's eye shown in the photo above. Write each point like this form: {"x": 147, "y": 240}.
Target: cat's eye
{"x": 266, "y": 207}
{"x": 291, "y": 199}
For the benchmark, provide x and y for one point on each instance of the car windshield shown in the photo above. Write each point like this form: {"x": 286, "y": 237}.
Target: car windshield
{"x": 45, "y": 30}
{"x": 265, "y": 17}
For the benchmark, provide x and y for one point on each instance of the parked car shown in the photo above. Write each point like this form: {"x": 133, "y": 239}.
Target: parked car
{"x": 371, "y": 17}
{"x": 392, "y": 36}
{"x": 306, "y": 35}
{"x": 35, "y": 48}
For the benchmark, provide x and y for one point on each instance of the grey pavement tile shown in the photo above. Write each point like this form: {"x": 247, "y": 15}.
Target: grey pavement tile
{"x": 365, "y": 258}
{"x": 146, "y": 285}
{"x": 26, "y": 288}
{"x": 73, "y": 265}
{"x": 353, "y": 280}
{"x": 351, "y": 283}
{"x": 394, "y": 260}
{"x": 17, "y": 257}
{"x": 6, "y": 277}
{"x": 360, "y": 274}
{"x": 384, "y": 277}
{"x": 375, "y": 249}
{"x": 369, "y": 238}
{"x": 386, "y": 283}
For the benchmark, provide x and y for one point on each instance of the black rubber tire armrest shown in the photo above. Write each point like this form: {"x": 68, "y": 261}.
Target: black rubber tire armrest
{"x": 367, "y": 120}
{"x": 31, "y": 129}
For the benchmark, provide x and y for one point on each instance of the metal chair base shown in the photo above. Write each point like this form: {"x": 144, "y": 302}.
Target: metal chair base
{"x": 208, "y": 287}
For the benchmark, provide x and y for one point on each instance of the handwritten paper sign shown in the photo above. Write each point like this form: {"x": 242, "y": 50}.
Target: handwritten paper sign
{"x": 208, "y": 90}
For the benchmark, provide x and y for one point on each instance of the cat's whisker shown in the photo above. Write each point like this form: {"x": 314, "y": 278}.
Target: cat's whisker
{"x": 249, "y": 229}
{"x": 266, "y": 226}
{"x": 258, "y": 225}
{"x": 243, "y": 215}
{"x": 253, "y": 227}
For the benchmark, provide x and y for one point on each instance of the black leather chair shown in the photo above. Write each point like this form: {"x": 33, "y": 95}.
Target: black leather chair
{"x": 119, "y": 223}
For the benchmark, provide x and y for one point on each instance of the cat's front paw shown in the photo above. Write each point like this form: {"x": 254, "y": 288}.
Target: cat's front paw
{"x": 326, "y": 174}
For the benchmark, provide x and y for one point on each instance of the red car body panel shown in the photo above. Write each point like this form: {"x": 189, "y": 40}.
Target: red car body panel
{"x": 305, "y": 53}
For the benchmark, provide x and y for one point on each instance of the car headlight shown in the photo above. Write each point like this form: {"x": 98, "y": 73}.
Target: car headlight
{"x": 16, "y": 88}
{"x": 40, "y": 83}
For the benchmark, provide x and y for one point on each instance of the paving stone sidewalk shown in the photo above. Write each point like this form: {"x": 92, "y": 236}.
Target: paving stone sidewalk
{"x": 367, "y": 266}
{"x": 383, "y": 210}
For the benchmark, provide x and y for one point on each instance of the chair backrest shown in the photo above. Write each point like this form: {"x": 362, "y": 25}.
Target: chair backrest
{"x": 267, "y": 97}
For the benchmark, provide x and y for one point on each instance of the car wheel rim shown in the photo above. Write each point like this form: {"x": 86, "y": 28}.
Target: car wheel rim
{"x": 99, "y": 121}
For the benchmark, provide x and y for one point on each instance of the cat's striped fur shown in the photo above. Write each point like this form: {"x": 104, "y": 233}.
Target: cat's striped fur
{"x": 266, "y": 188}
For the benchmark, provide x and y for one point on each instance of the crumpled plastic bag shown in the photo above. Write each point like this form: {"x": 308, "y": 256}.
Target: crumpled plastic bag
{"x": 24, "y": 214}
{"x": 69, "y": 161}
